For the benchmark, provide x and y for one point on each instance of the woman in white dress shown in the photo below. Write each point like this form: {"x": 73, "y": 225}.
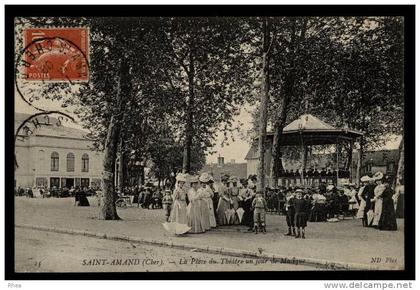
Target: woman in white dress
{"x": 204, "y": 207}
{"x": 379, "y": 189}
{"x": 207, "y": 194}
{"x": 179, "y": 206}
{"x": 360, "y": 213}
{"x": 194, "y": 215}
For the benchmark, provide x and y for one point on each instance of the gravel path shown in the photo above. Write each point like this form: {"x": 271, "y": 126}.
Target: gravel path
{"x": 346, "y": 241}
{"x": 39, "y": 251}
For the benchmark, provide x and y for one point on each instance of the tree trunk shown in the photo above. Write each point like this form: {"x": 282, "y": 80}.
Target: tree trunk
{"x": 186, "y": 161}
{"x": 120, "y": 183}
{"x": 287, "y": 93}
{"x": 263, "y": 110}
{"x": 349, "y": 166}
{"x": 400, "y": 170}
{"x": 107, "y": 210}
{"x": 276, "y": 164}
{"x": 141, "y": 175}
{"x": 359, "y": 162}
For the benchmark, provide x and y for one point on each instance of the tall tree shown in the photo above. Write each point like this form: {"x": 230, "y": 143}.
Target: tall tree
{"x": 207, "y": 65}
{"x": 265, "y": 88}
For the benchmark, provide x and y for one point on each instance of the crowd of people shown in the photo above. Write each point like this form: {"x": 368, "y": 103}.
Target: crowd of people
{"x": 203, "y": 204}
{"x": 378, "y": 202}
{"x": 79, "y": 193}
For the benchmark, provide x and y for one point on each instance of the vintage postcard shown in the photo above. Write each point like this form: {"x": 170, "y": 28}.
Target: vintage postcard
{"x": 210, "y": 143}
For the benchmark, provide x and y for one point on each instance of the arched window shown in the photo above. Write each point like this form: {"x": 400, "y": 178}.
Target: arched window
{"x": 54, "y": 161}
{"x": 70, "y": 162}
{"x": 85, "y": 163}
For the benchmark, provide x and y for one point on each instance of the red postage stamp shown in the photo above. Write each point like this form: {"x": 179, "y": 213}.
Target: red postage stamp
{"x": 56, "y": 54}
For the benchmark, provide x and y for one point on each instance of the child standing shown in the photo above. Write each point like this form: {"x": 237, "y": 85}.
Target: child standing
{"x": 301, "y": 216}
{"x": 167, "y": 204}
{"x": 259, "y": 205}
{"x": 290, "y": 213}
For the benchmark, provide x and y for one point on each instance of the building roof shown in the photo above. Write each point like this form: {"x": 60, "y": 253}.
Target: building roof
{"x": 252, "y": 153}
{"x": 52, "y": 130}
{"x": 309, "y": 130}
{"x": 307, "y": 122}
{"x": 232, "y": 169}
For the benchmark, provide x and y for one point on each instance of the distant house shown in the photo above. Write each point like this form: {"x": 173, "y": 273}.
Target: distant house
{"x": 385, "y": 161}
{"x": 221, "y": 168}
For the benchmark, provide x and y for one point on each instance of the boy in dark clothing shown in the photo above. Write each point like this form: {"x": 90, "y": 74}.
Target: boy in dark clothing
{"x": 301, "y": 216}
{"x": 290, "y": 213}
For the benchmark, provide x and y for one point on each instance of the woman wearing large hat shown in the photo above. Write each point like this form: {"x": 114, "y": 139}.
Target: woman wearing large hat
{"x": 377, "y": 198}
{"x": 206, "y": 194}
{"x": 388, "y": 220}
{"x": 179, "y": 207}
{"x": 367, "y": 196}
{"x": 360, "y": 213}
{"x": 248, "y": 197}
{"x": 223, "y": 204}
{"x": 194, "y": 215}
{"x": 384, "y": 214}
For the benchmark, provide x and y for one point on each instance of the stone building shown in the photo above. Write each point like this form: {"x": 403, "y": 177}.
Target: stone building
{"x": 56, "y": 156}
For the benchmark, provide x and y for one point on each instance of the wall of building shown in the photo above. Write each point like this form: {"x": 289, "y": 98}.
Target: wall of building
{"x": 252, "y": 164}
{"x": 34, "y": 159}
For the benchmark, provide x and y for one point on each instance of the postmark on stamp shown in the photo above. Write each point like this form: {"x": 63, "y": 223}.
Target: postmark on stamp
{"x": 56, "y": 54}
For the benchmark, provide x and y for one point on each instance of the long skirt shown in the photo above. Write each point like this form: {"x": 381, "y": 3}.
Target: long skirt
{"x": 205, "y": 214}
{"x": 318, "y": 213}
{"x": 248, "y": 217}
{"x": 179, "y": 212}
{"x": 212, "y": 217}
{"x": 235, "y": 205}
{"x": 377, "y": 211}
{"x": 222, "y": 207}
{"x": 194, "y": 217}
{"x": 387, "y": 221}
{"x": 399, "y": 211}
{"x": 361, "y": 211}
{"x": 82, "y": 201}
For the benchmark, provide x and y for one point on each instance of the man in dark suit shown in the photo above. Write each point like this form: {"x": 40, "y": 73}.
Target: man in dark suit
{"x": 367, "y": 194}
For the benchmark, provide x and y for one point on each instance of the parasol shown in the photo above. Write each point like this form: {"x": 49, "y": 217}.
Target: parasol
{"x": 230, "y": 214}
{"x": 176, "y": 228}
{"x": 240, "y": 211}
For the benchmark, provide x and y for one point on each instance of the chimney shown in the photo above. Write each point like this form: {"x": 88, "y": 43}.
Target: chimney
{"x": 232, "y": 161}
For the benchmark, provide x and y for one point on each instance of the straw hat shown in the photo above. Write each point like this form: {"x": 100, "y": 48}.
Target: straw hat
{"x": 378, "y": 176}
{"x": 181, "y": 177}
{"x": 192, "y": 178}
{"x": 205, "y": 177}
{"x": 233, "y": 179}
{"x": 365, "y": 178}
